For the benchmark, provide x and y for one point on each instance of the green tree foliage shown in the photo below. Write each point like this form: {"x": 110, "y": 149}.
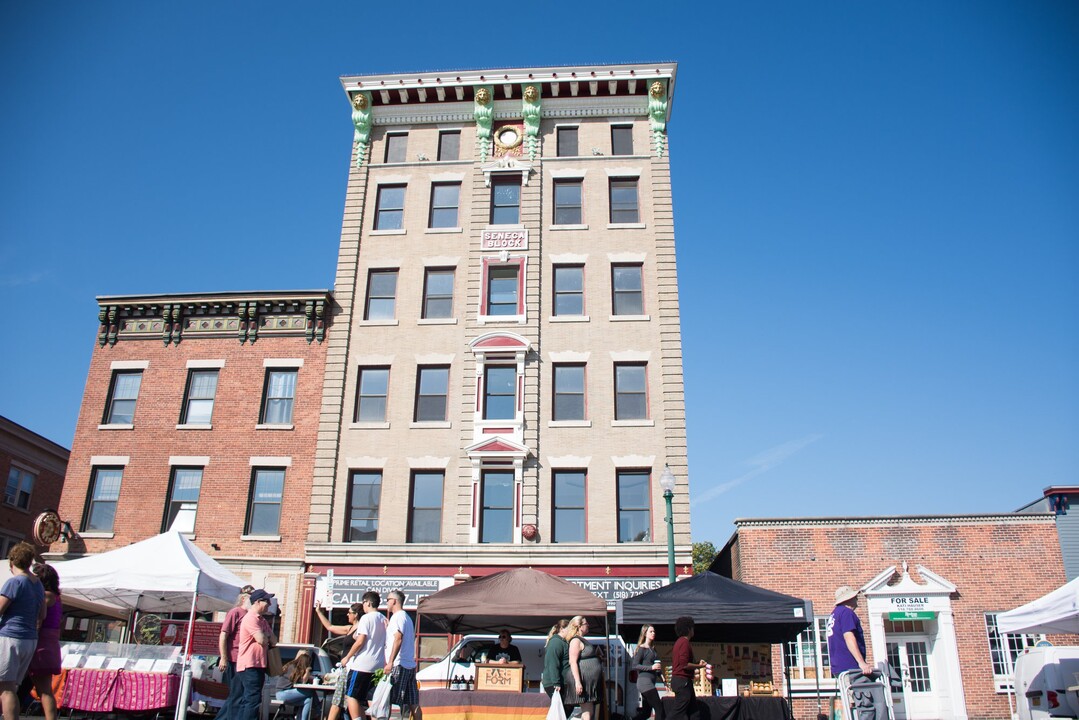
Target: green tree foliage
{"x": 703, "y": 555}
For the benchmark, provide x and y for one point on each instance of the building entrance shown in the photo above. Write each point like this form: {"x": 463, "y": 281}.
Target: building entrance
{"x": 911, "y": 678}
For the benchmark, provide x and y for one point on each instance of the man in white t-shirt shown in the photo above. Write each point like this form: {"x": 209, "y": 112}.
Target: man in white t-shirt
{"x": 366, "y": 655}
{"x": 401, "y": 657}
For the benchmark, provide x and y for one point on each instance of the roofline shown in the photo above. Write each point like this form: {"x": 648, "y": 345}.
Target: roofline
{"x": 230, "y": 294}
{"x": 897, "y": 519}
{"x": 32, "y": 437}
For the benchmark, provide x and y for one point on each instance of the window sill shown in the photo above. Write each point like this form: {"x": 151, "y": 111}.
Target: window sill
{"x": 387, "y": 323}
{"x": 437, "y": 321}
{"x": 441, "y": 231}
{"x": 633, "y": 423}
{"x": 507, "y": 226}
{"x": 195, "y": 426}
{"x": 289, "y": 426}
{"x": 569, "y": 318}
{"x": 569, "y": 423}
{"x": 626, "y": 226}
{"x": 504, "y": 319}
{"x": 556, "y": 228}
{"x": 97, "y": 535}
{"x": 116, "y": 426}
{"x": 400, "y": 231}
{"x": 369, "y": 426}
{"x": 430, "y": 425}
{"x": 261, "y": 538}
{"x": 630, "y": 318}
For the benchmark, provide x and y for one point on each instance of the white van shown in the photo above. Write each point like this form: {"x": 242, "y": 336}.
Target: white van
{"x": 461, "y": 659}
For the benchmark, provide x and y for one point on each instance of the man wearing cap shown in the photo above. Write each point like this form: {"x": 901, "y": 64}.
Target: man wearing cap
{"x": 256, "y": 639}
{"x": 846, "y": 641}
{"x": 228, "y": 645}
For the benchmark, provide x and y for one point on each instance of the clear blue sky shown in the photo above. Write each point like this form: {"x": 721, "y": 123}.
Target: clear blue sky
{"x": 877, "y": 213}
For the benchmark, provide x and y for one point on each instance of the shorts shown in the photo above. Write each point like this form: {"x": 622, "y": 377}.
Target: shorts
{"x": 15, "y": 657}
{"x": 404, "y": 690}
{"x": 359, "y": 685}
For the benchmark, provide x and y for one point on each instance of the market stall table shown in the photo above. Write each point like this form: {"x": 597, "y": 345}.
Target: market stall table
{"x": 119, "y": 690}
{"x": 482, "y": 705}
{"x": 736, "y": 708}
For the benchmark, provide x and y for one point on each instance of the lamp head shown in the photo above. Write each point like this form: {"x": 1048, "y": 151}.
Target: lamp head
{"x": 666, "y": 479}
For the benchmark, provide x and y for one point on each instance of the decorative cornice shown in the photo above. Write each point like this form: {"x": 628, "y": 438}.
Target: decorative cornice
{"x": 898, "y": 520}
{"x": 244, "y": 316}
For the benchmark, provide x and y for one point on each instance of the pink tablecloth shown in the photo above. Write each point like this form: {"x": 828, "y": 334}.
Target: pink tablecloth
{"x": 109, "y": 690}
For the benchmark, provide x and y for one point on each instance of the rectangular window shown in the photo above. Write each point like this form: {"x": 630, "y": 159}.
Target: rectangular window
{"x": 199, "y": 404}
{"x": 1004, "y": 649}
{"x": 445, "y": 198}
{"x": 396, "y": 147}
{"x": 624, "y": 200}
{"x": 502, "y": 289}
{"x": 569, "y": 515}
{"x": 381, "y": 295}
{"x": 432, "y": 389}
{"x": 621, "y": 139}
{"x": 365, "y": 496}
{"x": 425, "y": 519}
{"x": 449, "y": 145}
{"x": 101, "y": 505}
{"x": 568, "y": 290}
{"x": 630, "y": 391}
{"x": 390, "y": 207}
{"x": 499, "y": 392}
{"x": 279, "y": 396}
{"x": 568, "y": 392}
{"x": 807, "y": 655}
{"x": 372, "y": 390}
{"x": 183, "y": 501}
{"x": 567, "y": 202}
{"x": 496, "y": 518}
{"x": 264, "y": 507}
{"x": 437, "y": 293}
{"x": 120, "y": 407}
{"x": 506, "y": 200}
{"x": 627, "y": 290}
{"x": 20, "y": 486}
{"x": 567, "y": 142}
{"x": 634, "y": 507}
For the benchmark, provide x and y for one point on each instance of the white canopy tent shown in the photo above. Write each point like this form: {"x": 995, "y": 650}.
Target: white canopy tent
{"x": 165, "y": 573}
{"x": 1057, "y": 612}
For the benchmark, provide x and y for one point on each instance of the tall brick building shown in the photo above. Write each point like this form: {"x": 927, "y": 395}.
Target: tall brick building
{"x": 504, "y": 379}
{"x": 200, "y": 414}
{"x": 931, "y": 590}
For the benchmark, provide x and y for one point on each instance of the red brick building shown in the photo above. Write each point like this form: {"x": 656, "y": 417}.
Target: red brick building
{"x": 33, "y": 469}
{"x": 201, "y": 414}
{"x": 931, "y": 589}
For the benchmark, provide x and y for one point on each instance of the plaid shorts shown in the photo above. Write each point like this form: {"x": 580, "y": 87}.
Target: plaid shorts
{"x": 339, "y": 691}
{"x": 404, "y": 691}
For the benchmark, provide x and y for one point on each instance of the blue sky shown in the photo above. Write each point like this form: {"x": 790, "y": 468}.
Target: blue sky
{"x": 877, "y": 213}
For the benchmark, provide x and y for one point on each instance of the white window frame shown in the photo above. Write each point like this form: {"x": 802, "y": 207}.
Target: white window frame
{"x": 1016, "y": 644}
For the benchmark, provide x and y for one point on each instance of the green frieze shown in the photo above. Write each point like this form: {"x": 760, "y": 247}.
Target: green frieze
{"x": 361, "y": 119}
{"x": 657, "y": 114}
{"x": 530, "y": 108}
{"x": 483, "y": 111}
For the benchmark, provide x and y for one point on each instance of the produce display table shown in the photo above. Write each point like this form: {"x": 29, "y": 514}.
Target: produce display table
{"x": 482, "y": 705}
{"x": 119, "y": 690}
{"x": 736, "y": 708}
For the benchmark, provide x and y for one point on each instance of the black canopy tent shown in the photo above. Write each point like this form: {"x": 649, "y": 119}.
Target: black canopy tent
{"x": 722, "y": 609}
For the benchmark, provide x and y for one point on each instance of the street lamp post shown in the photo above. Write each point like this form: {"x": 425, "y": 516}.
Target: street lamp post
{"x": 666, "y": 481}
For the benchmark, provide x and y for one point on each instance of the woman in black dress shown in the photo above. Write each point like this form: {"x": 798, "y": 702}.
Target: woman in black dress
{"x": 584, "y": 685}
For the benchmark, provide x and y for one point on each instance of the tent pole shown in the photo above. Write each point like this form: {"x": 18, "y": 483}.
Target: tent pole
{"x": 790, "y": 692}
{"x": 185, "y": 678}
{"x": 611, "y": 692}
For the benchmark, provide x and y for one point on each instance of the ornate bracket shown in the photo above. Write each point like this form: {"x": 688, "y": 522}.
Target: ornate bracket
{"x": 315, "y": 311}
{"x": 530, "y": 108}
{"x": 361, "y": 119}
{"x": 657, "y": 114}
{"x": 483, "y": 111}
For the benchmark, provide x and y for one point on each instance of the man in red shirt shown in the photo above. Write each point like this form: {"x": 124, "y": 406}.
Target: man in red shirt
{"x": 228, "y": 646}
{"x": 683, "y": 668}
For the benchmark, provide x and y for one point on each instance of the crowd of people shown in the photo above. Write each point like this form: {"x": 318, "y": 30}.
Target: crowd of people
{"x": 30, "y": 615}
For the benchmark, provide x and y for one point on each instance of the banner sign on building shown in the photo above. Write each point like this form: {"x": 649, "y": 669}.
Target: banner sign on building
{"x": 343, "y": 590}
{"x": 612, "y": 589}
{"x": 503, "y": 240}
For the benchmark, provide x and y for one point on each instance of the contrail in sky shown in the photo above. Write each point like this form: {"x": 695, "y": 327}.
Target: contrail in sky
{"x": 759, "y": 465}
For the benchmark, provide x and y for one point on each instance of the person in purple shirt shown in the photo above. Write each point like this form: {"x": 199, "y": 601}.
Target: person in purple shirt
{"x": 846, "y": 641}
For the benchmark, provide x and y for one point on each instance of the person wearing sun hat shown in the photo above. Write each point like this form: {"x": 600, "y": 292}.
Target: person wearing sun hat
{"x": 846, "y": 641}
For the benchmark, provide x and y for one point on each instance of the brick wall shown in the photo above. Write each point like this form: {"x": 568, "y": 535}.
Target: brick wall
{"x": 996, "y": 565}
{"x": 45, "y": 460}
